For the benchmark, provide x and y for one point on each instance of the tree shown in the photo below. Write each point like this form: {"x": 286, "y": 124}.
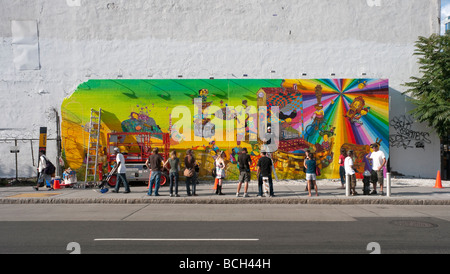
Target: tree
{"x": 431, "y": 92}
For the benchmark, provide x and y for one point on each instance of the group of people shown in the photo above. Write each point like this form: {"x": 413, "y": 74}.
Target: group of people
{"x": 346, "y": 162}
{"x": 156, "y": 164}
{"x": 346, "y": 168}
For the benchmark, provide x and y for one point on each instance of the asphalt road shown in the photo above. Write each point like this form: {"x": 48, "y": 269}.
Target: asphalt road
{"x": 223, "y": 229}
{"x": 226, "y": 237}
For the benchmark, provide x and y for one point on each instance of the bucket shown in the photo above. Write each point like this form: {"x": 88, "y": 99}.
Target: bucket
{"x": 57, "y": 184}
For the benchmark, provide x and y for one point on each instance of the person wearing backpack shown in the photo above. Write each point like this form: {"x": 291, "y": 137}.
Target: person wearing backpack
{"x": 45, "y": 171}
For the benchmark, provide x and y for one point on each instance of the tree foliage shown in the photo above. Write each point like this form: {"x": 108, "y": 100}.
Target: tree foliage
{"x": 431, "y": 92}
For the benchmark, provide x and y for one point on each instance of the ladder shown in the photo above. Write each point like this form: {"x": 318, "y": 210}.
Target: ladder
{"x": 93, "y": 147}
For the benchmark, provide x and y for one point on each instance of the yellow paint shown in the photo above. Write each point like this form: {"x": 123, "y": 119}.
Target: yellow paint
{"x": 34, "y": 195}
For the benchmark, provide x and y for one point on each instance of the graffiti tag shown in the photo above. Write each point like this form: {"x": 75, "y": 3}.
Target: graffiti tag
{"x": 406, "y": 137}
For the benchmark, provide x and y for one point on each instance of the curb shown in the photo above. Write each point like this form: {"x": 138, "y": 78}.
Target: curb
{"x": 290, "y": 201}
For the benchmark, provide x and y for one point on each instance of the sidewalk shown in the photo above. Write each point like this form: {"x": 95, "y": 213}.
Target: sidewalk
{"x": 403, "y": 192}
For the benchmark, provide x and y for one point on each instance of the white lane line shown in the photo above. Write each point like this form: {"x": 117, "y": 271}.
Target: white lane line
{"x": 176, "y": 240}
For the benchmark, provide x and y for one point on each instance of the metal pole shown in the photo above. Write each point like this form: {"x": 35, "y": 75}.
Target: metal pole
{"x": 58, "y": 145}
{"x": 17, "y": 172}
{"x": 347, "y": 185}
{"x": 388, "y": 189}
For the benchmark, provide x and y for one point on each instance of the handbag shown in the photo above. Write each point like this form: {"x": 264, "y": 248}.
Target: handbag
{"x": 188, "y": 172}
{"x": 318, "y": 171}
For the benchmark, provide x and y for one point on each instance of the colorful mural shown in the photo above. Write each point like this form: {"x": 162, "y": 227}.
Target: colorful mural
{"x": 321, "y": 115}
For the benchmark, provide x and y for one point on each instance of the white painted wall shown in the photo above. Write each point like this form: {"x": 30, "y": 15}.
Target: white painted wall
{"x": 81, "y": 40}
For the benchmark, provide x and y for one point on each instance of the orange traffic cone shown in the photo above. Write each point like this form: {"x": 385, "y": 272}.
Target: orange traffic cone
{"x": 216, "y": 181}
{"x": 56, "y": 184}
{"x": 438, "y": 180}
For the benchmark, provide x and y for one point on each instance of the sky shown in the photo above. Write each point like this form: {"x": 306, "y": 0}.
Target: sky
{"x": 445, "y": 12}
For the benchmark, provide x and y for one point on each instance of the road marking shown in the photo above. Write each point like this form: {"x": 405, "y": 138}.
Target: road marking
{"x": 176, "y": 240}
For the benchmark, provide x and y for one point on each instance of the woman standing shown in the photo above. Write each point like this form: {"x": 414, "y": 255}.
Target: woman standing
{"x": 220, "y": 171}
{"x": 174, "y": 163}
{"x": 310, "y": 165}
{"x": 189, "y": 164}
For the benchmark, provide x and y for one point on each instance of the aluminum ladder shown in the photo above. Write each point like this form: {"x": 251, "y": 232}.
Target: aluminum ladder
{"x": 93, "y": 147}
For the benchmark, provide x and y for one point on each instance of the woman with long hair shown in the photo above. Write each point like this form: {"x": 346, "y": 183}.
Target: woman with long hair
{"x": 311, "y": 165}
{"x": 174, "y": 163}
{"x": 220, "y": 171}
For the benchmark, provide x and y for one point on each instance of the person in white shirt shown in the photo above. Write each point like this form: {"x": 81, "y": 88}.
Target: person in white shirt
{"x": 121, "y": 172}
{"x": 350, "y": 171}
{"x": 42, "y": 177}
{"x": 378, "y": 162}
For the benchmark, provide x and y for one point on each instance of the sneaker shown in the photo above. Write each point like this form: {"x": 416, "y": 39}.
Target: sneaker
{"x": 171, "y": 195}
{"x": 176, "y": 195}
{"x": 374, "y": 192}
{"x": 245, "y": 195}
{"x": 237, "y": 194}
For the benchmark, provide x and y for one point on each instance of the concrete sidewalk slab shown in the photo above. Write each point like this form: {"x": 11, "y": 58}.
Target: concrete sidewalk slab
{"x": 285, "y": 193}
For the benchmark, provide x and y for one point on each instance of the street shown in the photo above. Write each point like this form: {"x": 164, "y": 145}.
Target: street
{"x": 223, "y": 229}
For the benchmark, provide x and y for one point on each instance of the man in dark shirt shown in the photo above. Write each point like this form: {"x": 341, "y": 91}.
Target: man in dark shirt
{"x": 264, "y": 171}
{"x": 154, "y": 164}
{"x": 245, "y": 162}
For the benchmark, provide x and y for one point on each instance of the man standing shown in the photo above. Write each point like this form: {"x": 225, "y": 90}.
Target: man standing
{"x": 264, "y": 172}
{"x": 121, "y": 172}
{"x": 378, "y": 162}
{"x": 155, "y": 160}
{"x": 350, "y": 171}
{"x": 245, "y": 162}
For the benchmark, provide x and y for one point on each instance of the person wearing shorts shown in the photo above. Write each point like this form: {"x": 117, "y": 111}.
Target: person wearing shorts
{"x": 245, "y": 162}
{"x": 378, "y": 162}
{"x": 350, "y": 171}
{"x": 311, "y": 165}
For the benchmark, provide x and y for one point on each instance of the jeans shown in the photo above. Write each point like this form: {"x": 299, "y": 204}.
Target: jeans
{"x": 342, "y": 174}
{"x": 155, "y": 178}
{"x": 43, "y": 179}
{"x": 260, "y": 185}
{"x": 122, "y": 177}
{"x": 174, "y": 177}
{"x": 191, "y": 181}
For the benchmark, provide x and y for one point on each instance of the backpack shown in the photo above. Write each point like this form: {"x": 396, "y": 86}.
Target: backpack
{"x": 50, "y": 168}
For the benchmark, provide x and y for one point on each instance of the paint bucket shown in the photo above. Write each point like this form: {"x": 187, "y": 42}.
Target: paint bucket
{"x": 57, "y": 183}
